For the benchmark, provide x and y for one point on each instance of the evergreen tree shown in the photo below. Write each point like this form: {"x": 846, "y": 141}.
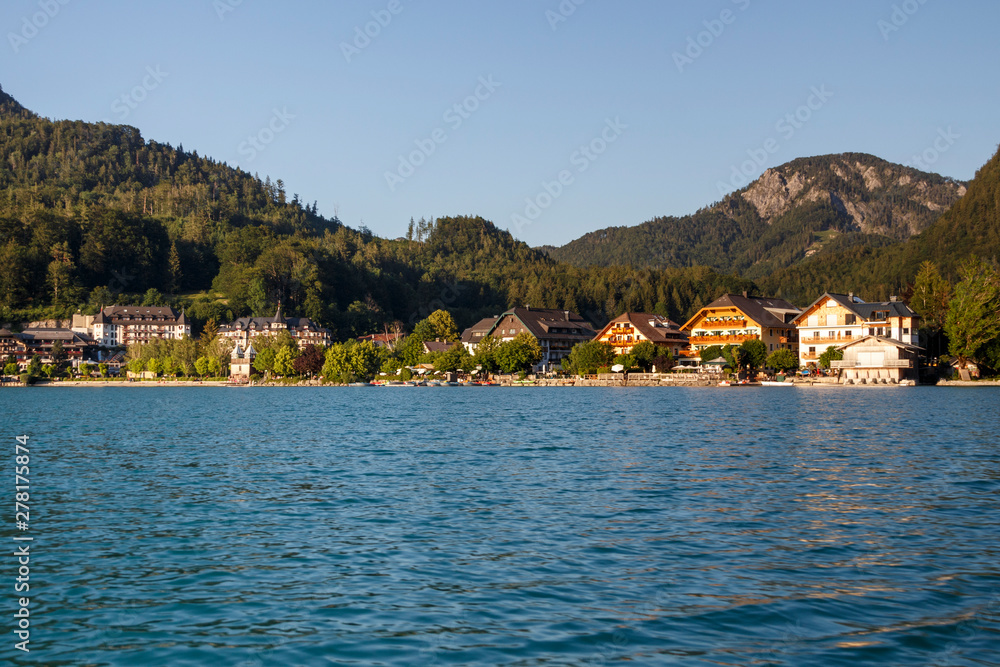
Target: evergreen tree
{"x": 174, "y": 268}
{"x": 974, "y": 311}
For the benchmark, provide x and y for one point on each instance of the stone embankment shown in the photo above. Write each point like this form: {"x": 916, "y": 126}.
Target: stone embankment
{"x": 618, "y": 380}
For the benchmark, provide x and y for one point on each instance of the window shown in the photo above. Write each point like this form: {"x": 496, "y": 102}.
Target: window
{"x": 812, "y": 350}
{"x": 906, "y": 330}
{"x": 815, "y": 334}
{"x": 850, "y": 319}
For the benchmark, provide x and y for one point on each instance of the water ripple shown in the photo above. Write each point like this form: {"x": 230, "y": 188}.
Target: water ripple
{"x": 545, "y": 526}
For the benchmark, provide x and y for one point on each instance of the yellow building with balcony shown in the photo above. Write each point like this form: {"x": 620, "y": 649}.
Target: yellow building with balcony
{"x": 733, "y": 319}
{"x": 629, "y": 329}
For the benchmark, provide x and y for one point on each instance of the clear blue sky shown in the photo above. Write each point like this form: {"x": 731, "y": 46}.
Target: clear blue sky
{"x": 222, "y": 74}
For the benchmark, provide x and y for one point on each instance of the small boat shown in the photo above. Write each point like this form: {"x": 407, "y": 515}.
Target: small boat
{"x": 775, "y": 383}
{"x": 725, "y": 383}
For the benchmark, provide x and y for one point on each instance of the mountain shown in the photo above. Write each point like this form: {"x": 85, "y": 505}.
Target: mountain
{"x": 970, "y": 227}
{"x": 92, "y": 214}
{"x": 807, "y": 207}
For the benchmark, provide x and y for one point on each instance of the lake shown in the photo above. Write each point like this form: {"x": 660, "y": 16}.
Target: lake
{"x": 507, "y": 526}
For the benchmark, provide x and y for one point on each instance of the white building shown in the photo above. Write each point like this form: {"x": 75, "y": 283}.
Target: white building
{"x": 836, "y": 319}
{"x": 119, "y": 326}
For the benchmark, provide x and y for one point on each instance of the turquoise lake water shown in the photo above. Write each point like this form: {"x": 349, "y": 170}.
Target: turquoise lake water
{"x": 523, "y": 526}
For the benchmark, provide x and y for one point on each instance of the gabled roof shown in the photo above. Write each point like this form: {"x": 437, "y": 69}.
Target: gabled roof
{"x": 483, "y": 326}
{"x": 165, "y": 312}
{"x": 895, "y": 308}
{"x": 438, "y": 346}
{"x": 767, "y": 312}
{"x": 546, "y": 323}
{"x": 866, "y": 311}
{"x": 264, "y": 323}
{"x": 656, "y": 328}
{"x": 881, "y": 339}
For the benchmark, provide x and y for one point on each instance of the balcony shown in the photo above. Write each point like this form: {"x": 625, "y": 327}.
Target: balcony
{"x": 731, "y": 324}
{"x": 722, "y": 340}
{"x": 830, "y": 340}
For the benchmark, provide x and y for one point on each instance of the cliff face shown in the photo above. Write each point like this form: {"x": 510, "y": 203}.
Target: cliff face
{"x": 801, "y": 209}
{"x": 870, "y": 195}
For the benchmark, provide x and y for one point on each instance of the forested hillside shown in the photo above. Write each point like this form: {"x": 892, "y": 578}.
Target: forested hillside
{"x": 808, "y": 207}
{"x": 970, "y": 227}
{"x": 92, "y": 214}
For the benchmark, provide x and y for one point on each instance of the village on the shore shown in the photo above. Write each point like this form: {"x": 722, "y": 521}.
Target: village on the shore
{"x": 838, "y": 339}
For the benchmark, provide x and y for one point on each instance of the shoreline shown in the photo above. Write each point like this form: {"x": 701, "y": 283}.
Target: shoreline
{"x": 528, "y": 384}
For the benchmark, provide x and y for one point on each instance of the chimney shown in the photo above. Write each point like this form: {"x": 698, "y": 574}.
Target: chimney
{"x": 745, "y": 295}
{"x": 566, "y": 313}
{"x": 893, "y": 299}
{"x": 850, "y": 297}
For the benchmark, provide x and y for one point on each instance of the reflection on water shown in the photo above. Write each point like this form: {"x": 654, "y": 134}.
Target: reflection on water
{"x": 820, "y": 526}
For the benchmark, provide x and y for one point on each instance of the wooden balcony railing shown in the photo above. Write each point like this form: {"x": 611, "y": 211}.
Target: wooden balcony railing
{"x": 731, "y": 324}
{"x": 835, "y": 340}
{"x": 722, "y": 340}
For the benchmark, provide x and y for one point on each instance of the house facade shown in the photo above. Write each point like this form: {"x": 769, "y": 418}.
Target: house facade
{"x": 836, "y": 319}
{"x": 732, "y": 320}
{"x": 120, "y": 326}
{"x": 477, "y": 332}
{"x": 304, "y": 331}
{"x": 23, "y": 346}
{"x": 557, "y": 331}
{"x": 874, "y": 359}
{"x": 629, "y": 329}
